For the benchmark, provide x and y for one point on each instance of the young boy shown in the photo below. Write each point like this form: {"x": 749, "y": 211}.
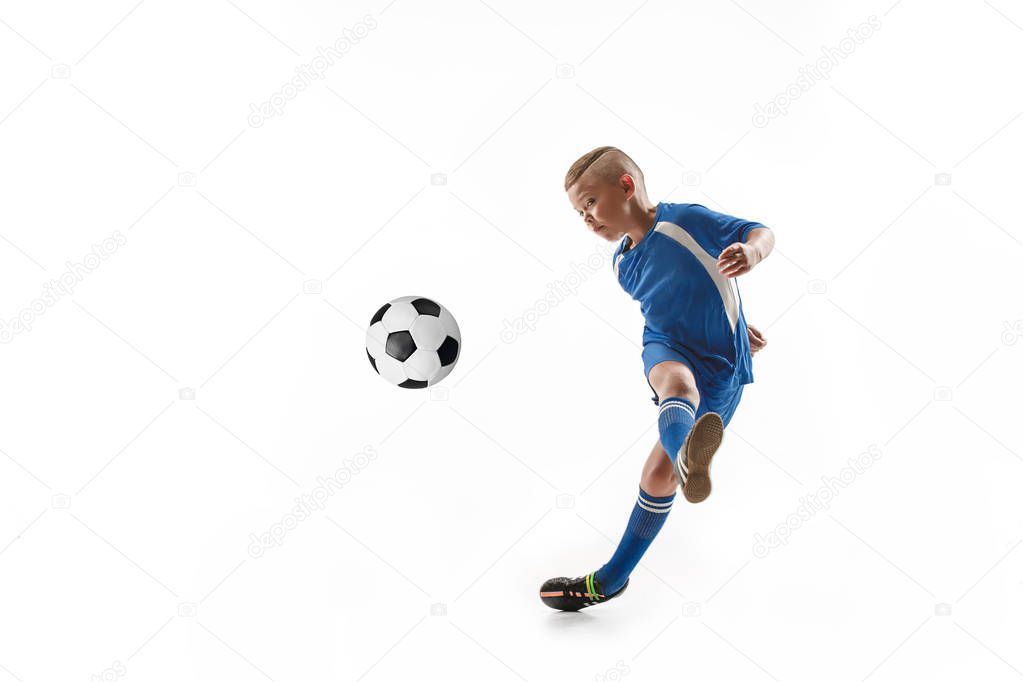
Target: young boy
{"x": 678, "y": 261}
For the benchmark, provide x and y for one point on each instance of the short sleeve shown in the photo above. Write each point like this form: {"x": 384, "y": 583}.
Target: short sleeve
{"x": 715, "y": 231}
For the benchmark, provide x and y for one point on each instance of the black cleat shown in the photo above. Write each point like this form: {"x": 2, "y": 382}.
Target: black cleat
{"x": 572, "y": 594}
{"x": 692, "y": 466}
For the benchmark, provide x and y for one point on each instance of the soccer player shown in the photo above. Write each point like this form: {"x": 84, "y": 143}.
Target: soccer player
{"x": 679, "y": 261}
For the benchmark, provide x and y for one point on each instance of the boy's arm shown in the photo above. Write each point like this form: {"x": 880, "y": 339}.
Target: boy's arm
{"x": 741, "y": 257}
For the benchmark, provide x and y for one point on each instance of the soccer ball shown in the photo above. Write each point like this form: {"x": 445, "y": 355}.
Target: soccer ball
{"x": 413, "y": 342}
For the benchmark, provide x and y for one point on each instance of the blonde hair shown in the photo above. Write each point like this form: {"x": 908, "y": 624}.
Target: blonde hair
{"x": 609, "y": 164}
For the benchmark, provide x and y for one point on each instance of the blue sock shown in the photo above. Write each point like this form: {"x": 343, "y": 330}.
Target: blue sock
{"x": 674, "y": 421}
{"x": 647, "y": 518}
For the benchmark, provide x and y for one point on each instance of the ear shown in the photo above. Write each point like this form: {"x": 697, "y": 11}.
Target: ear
{"x": 628, "y": 185}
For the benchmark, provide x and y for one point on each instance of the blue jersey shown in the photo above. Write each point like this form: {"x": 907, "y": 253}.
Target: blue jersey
{"x": 686, "y": 303}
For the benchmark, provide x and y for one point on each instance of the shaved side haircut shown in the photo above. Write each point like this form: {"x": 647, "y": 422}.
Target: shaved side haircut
{"x": 608, "y": 164}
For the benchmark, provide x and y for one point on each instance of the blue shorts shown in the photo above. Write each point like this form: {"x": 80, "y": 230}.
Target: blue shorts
{"x": 720, "y": 400}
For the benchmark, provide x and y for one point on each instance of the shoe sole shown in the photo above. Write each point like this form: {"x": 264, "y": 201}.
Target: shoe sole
{"x": 701, "y": 443}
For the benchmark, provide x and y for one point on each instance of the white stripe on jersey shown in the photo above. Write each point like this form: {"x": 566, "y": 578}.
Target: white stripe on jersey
{"x": 725, "y": 286}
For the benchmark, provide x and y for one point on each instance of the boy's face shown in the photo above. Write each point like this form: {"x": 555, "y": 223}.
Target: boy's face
{"x": 602, "y": 205}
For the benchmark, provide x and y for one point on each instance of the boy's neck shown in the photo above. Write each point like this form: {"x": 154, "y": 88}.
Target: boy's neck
{"x": 641, "y": 219}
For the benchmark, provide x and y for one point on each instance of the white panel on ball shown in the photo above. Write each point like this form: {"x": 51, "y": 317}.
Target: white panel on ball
{"x": 428, "y": 332}
{"x": 376, "y": 338}
{"x": 450, "y": 326}
{"x": 444, "y": 371}
{"x": 423, "y": 365}
{"x": 399, "y": 316}
{"x": 391, "y": 369}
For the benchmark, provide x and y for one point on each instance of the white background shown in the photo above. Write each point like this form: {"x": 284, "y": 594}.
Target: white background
{"x": 891, "y": 306}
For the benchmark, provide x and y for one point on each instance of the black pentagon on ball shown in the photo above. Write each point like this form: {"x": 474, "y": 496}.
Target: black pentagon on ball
{"x": 425, "y": 306}
{"x": 448, "y": 351}
{"x": 380, "y": 314}
{"x": 372, "y": 361}
{"x": 400, "y": 345}
{"x": 413, "y": 383}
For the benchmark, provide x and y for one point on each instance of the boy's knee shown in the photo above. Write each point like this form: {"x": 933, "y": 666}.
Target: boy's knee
{"x": 659, "y": 481}
{"x": 659, "y": 485}
{"x": 677, "y": 383}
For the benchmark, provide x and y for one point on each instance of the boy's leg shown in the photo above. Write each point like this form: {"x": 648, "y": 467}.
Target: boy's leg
{"x": 678, "y": 400}
{"x": 656, "y": 495}
{"x": 689, "y": 442}
{"x": 658, "y": 477}
{"x": 676, "y": 393}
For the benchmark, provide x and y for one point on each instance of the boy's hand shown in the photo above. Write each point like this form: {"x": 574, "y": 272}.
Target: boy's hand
{"x": 756, "y": 339}
{"x": 738, "y": 259}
